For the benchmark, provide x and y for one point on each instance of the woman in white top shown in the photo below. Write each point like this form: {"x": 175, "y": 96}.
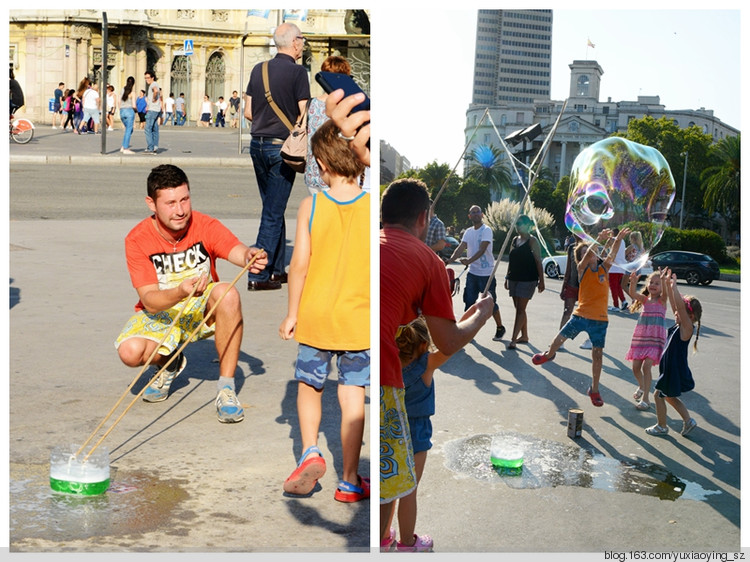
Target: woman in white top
{"x": 206, "y": 111}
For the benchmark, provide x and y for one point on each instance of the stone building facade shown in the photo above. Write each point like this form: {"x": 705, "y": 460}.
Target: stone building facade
{"x": 52, "y": 46}
{"x": 585, "y": 121}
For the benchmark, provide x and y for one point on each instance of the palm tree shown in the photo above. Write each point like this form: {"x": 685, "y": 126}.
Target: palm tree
{"x": 486, "y": 164}
{"x": 721, "y": 182}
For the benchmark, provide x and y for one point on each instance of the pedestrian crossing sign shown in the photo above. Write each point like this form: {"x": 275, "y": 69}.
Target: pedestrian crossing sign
{"x": 188, "y": 46}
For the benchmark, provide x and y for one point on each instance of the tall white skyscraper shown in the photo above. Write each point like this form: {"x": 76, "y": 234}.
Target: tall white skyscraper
{"x": 513, "y": 56}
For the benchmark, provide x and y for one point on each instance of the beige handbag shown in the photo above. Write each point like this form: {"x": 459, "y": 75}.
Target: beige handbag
{"x": 294, "y": 149}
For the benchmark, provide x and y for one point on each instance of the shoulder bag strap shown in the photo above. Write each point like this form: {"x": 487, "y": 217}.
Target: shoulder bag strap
{"x": 270, "y": 101}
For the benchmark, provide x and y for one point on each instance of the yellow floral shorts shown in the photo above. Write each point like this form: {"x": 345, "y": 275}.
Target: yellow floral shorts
{"x": 154, "y": 326}
{"x": 397, "y": 473}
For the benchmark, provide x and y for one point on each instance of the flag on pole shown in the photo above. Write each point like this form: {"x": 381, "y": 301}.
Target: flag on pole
{"x": 590, "y": 44}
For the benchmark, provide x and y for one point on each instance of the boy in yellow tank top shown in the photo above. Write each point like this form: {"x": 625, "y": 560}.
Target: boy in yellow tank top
{"x": 590, "y": 314}
{"x": 329, "y": 312}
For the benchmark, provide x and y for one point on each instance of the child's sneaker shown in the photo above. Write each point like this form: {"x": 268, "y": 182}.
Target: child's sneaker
{"x": 421, "y": 544}
{"x": 587, "y": 344}
{"x": 688, "y": 426}
{"x": 228, "y": 406}
{"x": 158, "y": 390}
{"x": 657, "y": 430}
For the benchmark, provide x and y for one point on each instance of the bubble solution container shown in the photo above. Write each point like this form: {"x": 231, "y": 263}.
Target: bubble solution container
{"x": 506, "y": 457}
{"x": 70, "y": 475}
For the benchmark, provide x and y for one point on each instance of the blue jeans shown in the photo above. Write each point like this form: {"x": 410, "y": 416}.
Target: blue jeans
{"x": 127, "y": 116}
{"x": 475, "y": 285}
{"x": 275, "y": 180}
{"x": 152, "y": 129}
{"x": 180, "y": 118}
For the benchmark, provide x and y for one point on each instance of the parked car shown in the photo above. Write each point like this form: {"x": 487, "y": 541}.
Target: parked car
{"x": 693, "y": 267}
{"x": 554, "y": 266}
{"x": 450, "y": 245}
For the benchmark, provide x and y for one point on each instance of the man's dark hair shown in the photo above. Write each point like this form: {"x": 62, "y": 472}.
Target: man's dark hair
{"x": 404, "y": 201}
{"x": 164, "y": 177}
{"x": 151, "y": 74}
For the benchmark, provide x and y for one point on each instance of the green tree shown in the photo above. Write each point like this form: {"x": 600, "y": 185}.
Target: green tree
{"x": 674, "y": 143}
{"x": 541, "y": 193}
{"x": 472, "y": 192}
{"x": 433, "y": 175}
{"x": 487, "y": 165}
{"x": 721, "y": 181}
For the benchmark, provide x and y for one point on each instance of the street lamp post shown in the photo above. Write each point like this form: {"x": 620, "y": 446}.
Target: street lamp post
{"x": 684, "y": 177}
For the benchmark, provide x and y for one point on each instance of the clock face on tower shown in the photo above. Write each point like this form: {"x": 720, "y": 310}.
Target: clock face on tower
{"x": 583, "y": 85}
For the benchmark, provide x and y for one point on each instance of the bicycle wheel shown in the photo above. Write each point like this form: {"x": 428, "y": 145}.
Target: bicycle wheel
{"x": 22, "y": 131}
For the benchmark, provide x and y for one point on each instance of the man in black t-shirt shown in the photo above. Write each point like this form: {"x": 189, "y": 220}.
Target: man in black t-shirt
{"x": 289, "y": 87}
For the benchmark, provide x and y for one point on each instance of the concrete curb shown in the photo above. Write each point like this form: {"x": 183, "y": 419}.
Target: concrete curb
{"x": 119, "y": 160}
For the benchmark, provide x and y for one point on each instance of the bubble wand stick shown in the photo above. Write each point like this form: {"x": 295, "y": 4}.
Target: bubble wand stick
{"x": 179, "y": 350}
{"x": 545, "y": 148}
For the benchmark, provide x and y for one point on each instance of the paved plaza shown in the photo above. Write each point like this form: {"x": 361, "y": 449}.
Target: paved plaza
{"x": 188, "y": 483}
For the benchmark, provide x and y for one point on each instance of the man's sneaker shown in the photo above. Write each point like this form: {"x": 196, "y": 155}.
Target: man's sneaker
{"x": 586, "y": 344}
{"x": 158, "y": 390}
{"x": 228, "y": 406}
{"x": 624, "y": 305}
{"x": 499, "y": 333}
{"x": 612, "y": 308}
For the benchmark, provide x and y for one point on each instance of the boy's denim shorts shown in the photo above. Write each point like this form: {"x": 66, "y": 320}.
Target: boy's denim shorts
{"x": 596, "y": 329}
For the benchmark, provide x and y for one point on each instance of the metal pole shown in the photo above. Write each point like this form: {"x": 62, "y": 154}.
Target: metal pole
{"x": 241, "y": 109}
{"x": 103, "y": 83}
{"x": 189, "y": 97}
{"x": 684, "y": 177}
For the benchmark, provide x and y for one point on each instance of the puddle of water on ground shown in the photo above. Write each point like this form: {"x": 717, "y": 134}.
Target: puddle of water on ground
{"x": 134, "y": 503}
{"x": 551, "y": 464}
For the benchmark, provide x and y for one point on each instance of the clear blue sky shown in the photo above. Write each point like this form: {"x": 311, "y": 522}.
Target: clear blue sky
{"x": 690, "y": 58}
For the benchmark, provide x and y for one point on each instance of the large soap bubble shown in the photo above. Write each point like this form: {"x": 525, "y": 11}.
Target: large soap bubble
{"x": 615, "y": 182}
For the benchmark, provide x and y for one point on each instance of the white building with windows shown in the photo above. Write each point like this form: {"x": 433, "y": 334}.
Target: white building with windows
{"x": 585, "y": 121}
{"x": 512, "y": 56}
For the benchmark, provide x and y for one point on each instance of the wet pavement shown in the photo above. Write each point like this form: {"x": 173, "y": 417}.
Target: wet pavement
{"x": 549, "y": 464}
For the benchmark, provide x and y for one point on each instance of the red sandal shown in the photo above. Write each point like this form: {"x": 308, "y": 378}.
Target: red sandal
{"x": 596, "y": 398}
{"x": 349, "y": 493}
{"x": 310, "y": 469}
{"x": 540, "y": 358}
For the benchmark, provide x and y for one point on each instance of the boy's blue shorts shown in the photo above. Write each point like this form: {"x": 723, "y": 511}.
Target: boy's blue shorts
{"x": 314, "y": 365}
{"x": 596, "y": 329}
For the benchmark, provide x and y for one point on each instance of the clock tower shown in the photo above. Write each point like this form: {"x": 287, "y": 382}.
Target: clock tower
{"x": 585, "y": 79}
